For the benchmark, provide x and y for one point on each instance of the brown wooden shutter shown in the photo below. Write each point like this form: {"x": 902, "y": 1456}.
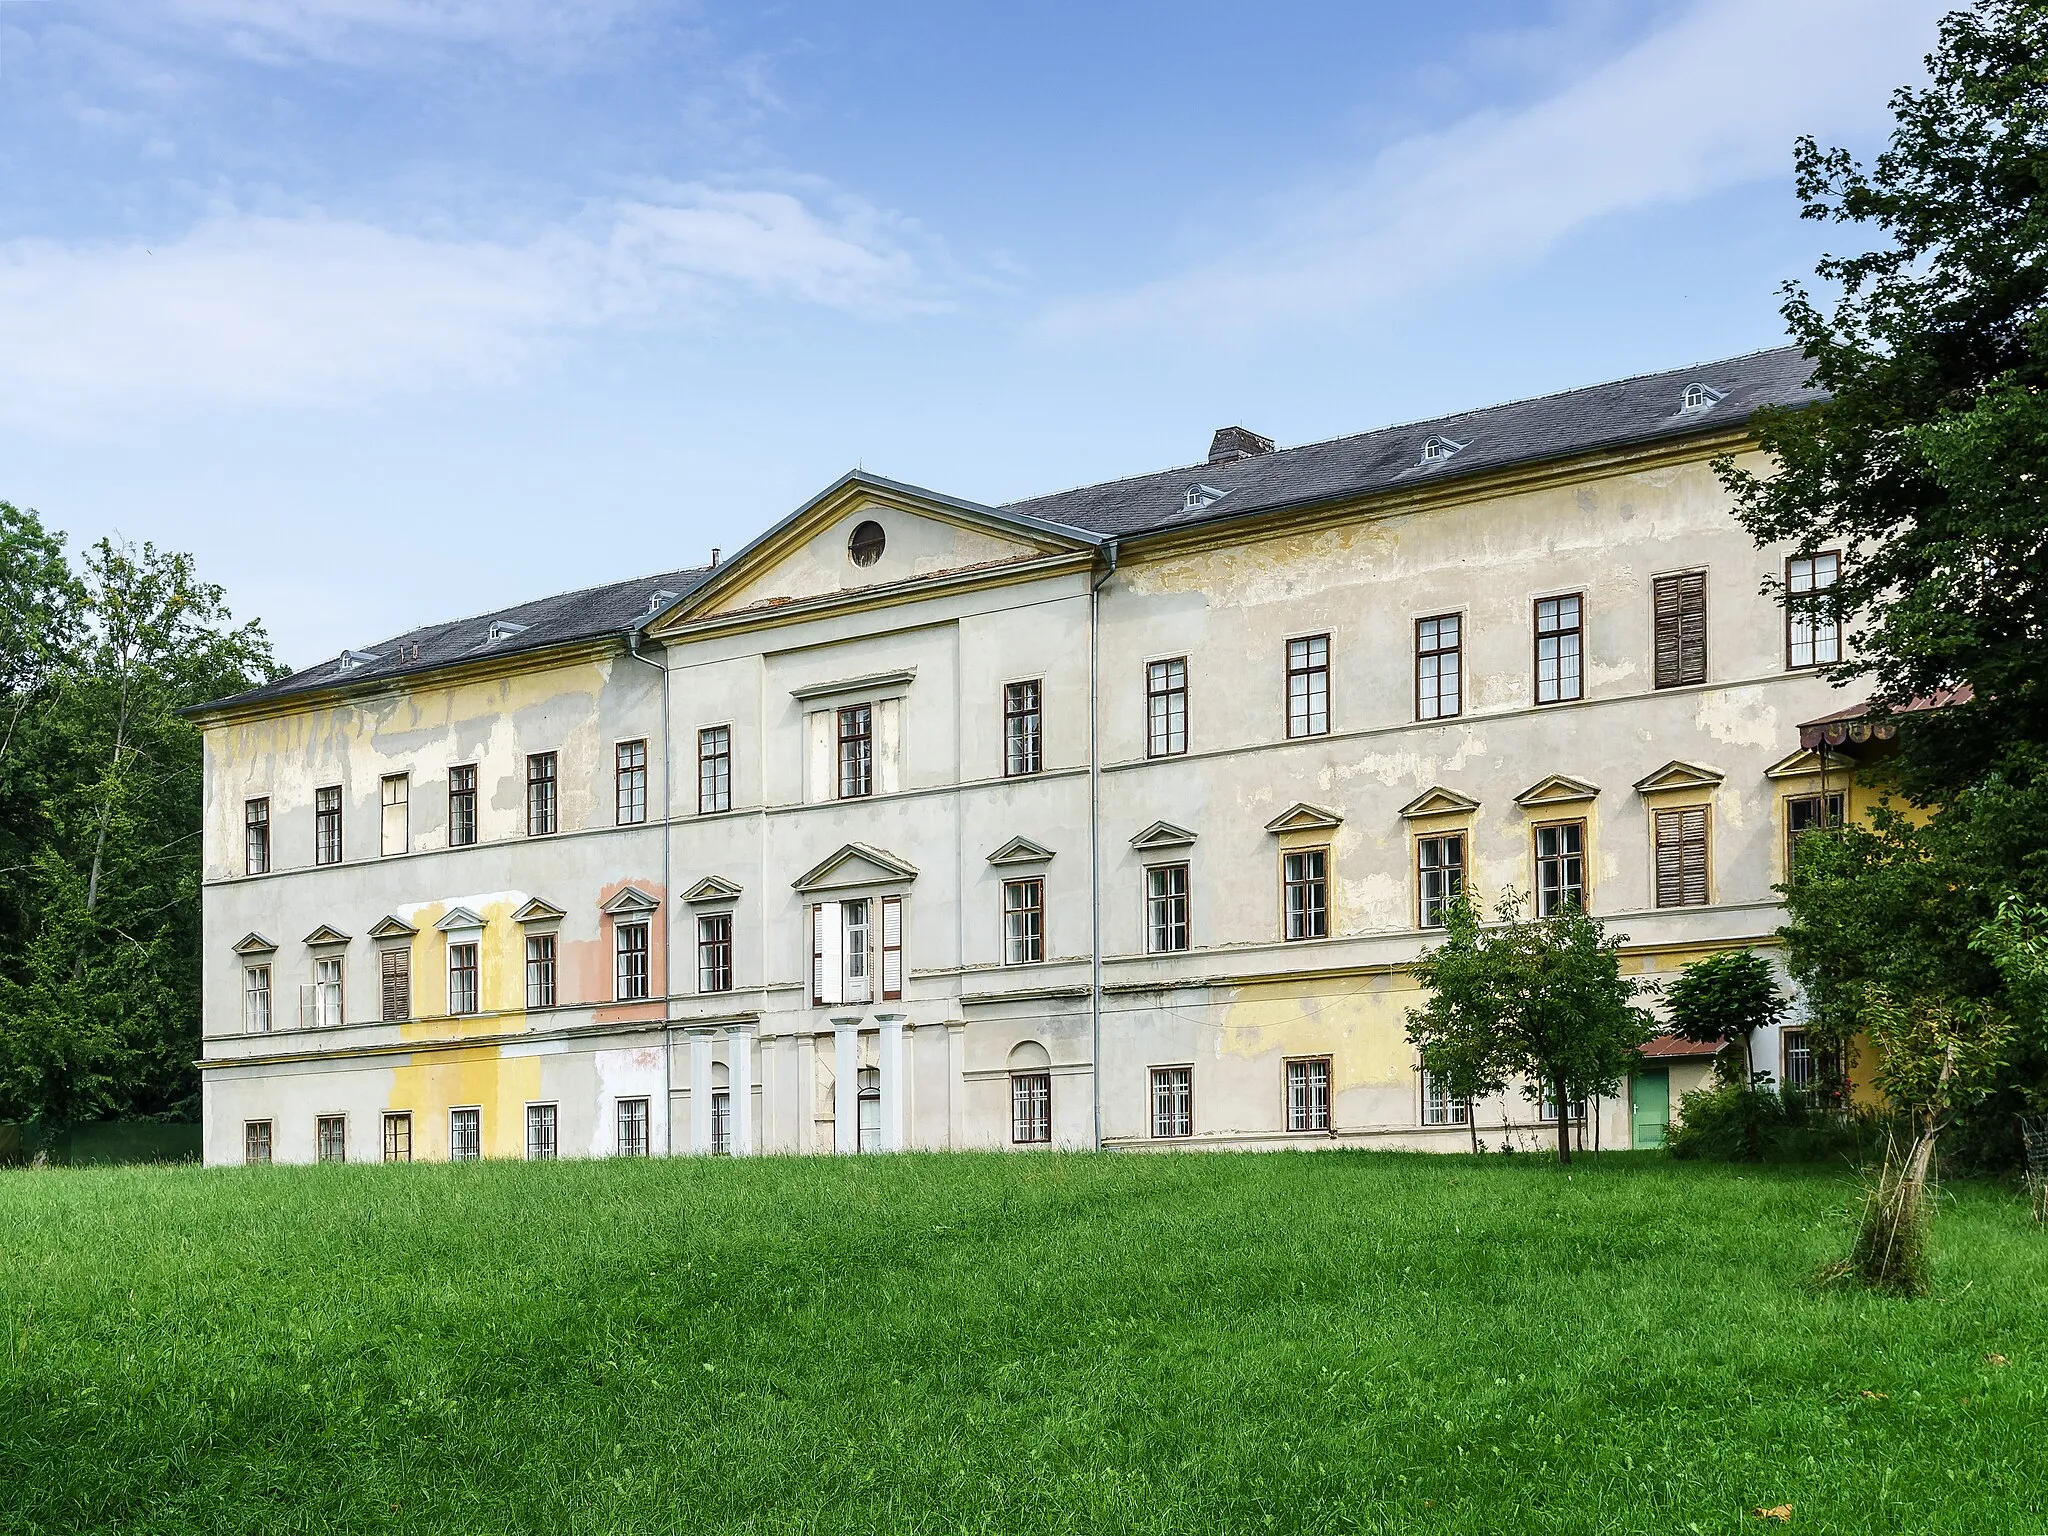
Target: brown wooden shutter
{"x": 1682, "y": 857}
{"x": 1680, "y": 605}
{"x": 397, "y": 979}
{"x": 892, "y": 949}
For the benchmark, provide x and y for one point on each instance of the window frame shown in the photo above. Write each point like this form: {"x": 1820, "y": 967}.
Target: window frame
{"x": 327, "y": 825}
{"x": 386, "y": 804}
{"x": 1184, "y": 897}
{"x": 1559, "y": 632}
{"x": 1659, "y": 818}
{"x": 1026, "y": 946}
{"x": 1538, "y": 859}
{"x": 1161, "y": 694}
{"x": 1318, "y": 883}
{"x": 622, "y": 1146}
{"x": 714, "y": 952}
{"x": 544, "y": 1116}
{"x": 1834, "y": 810}
{"x": 1178, "y": 1118}
{"x": 1031, "y": 1108}
{"x": 465, "y": 971}
{"x": 330, "y": 1138}
{"x": 386, "y": 972}
{"x": 397, "y": 1149}
{"x": 462, "y": 805}
{"x": 251, "y": 971}
{"x": 1023, "y": 728}
{"x": 1813, "y": 601}
{"x": 1680, "y": 674}
{"x": 339, "y": 985}
{"x": 542, "y": 976}
{"x": 543, "y": 794}
{"x": 256, "y": 835}
{"x": 629, "y": 783}
{"x": 624, "y": 973}
{"x": 853, "y": 752}
{"x": 1310, "y": 673}
{"x": 1437, "y": 651}
{"x": 1456, "y": 875}
{"x": 471, "y": 1149}
{"x": 258, "y": 1135}
{"x": 714, "y": 769}
{"x": 1453, "y": 1111}
{"x": 1311, "y": 1111}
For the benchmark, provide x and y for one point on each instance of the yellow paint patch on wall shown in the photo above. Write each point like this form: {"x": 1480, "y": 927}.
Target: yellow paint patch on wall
{"x": 1359, "y": 1023}
{"x": 432, "y": 1083}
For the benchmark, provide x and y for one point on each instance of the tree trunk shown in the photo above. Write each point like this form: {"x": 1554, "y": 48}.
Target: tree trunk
{"x": 1564, "y": 1122}
{"x": 99, "y": 846}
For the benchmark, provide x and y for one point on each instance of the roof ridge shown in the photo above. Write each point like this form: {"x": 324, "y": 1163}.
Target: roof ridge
{"x": 550, "y": 597}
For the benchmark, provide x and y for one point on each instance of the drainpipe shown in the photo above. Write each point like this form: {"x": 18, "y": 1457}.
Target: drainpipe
{"x": 1095, "y": 835}
{"x": 668, "y": 902}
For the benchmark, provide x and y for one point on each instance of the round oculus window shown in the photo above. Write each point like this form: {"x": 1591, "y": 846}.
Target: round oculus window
{"x": 867, "y": 544}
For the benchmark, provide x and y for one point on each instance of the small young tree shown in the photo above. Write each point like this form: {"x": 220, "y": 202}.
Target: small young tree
{"x": 1540, "y": 999}
{"x": 1725, "y": 999}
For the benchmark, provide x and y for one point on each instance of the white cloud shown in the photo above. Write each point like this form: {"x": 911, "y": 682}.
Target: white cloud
{"x": 1712, "y": 100}
{"x": 259, "y": 310}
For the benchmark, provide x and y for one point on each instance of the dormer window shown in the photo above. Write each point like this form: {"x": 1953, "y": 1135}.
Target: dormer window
{"x": 350, "y": 660}
{"x": 1698, "y": 397}
{"x": 1437, "y": 449}
{"x": 1200, "y": 496}
{"x": 502, "y": 629}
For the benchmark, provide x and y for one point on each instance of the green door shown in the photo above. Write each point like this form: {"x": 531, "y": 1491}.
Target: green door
{"x": 1649, "y": 1098}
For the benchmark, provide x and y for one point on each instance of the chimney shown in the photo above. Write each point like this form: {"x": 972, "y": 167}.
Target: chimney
{"x": 1233, "y": 443}
{"x": 714, "y": 557}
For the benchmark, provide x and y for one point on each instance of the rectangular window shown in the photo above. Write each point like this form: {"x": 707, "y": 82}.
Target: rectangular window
{"x": 1166, "y": 707}
{"x": 1547, "y": 1111}
{"x": 394, "y": 977}
{"x": 540, "y": 970}
{"x": 1023, "y": 921}
{"x": 1305, "y": 884}
{"x": 1808, "y": 813}
{"x": 1308, "y": 686}
{"x": 462, "y": 988}
{"x": 256, "y": 999}
{"x": 1308, "y": 1094}
{"x": 326, "y": 993}
{"x": 632, "y": 1128}
{"x": 332, "y": 1138}
{"x": 721, "y": 1122}
{"x": 255, "y": 1141}
{"x": 714, "y": 769}
{"x": 1022, "y": 729}
{"x": 462, "y": 806}
{"x": 892, "y": 949}
{"x": 256, "y": 836}
{"x": 1559, "y": 641}
{"x": 1798, "y": 1059}
{"x": 856, "y": 751}
{"x": 630, "y": 973}
{"x": 631, "y": 782}
{"x": 465, "y": 1135}
{"x": 394, "y": 833}
{"x": 1680, "y": 609}
{"x": 1438, "y": 653}
{"x": 398, "y": 1138}
{"x": 1439, "y": 876}
{"x": 1173, "y": 1101}
{"x": 1030, "y": 1108}
{"x": 1682, "y": 857}
{"x": 540, "y": 1133}
{"x": 1813, "y": 635}
{"x": 327, "y": 825}
{"x": 841, "y": 936}
{"x": 714, "y": 952}
{"x": 1439, "y": 1108}
{"x": 1166, "y": 908}
{"x": 540, "y": 794}
{"x": 1560, "y": 867}
{"x": 854, "y": 984}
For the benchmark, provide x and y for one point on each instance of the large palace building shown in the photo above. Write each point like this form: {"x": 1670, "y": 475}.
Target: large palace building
{"x": 1112, "y": 817}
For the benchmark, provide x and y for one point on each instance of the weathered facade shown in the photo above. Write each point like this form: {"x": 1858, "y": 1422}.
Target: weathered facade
{"x": 1116, "y": 815}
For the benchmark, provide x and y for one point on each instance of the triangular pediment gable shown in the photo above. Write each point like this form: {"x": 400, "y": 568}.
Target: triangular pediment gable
{"x": 324, "y": 935}
{"x": 1679, "y": 775}
{"x": 1303, "y": 817}
{"x": 458, "y": 918}
{"x": 711, "y": 888}
{"x": 631, "y": 900}
{"x": 1438, "y": 801}
{"x": 1162, "y": 834}
{"x": 1558, "y": 789}
{"x": 1021, "y": 850}
{"x": 393, "y": 927}
{"x": 253, "y": 943}
{"x": 854, "y": 865}
{"x": 534, "y": 910}
{"x": 1802, "y": 764}
{"x": 808, "y": 557}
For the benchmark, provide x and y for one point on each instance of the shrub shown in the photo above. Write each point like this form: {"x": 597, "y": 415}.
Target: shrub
{"x": 1744, "y": 1123}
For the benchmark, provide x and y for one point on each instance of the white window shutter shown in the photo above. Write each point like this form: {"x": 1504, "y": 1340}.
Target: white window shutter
{"x": 823, "y": 784}
{"x": 892, "y": 949}
{"x": 828, "y": 949}
{"x": 889, "y": 746}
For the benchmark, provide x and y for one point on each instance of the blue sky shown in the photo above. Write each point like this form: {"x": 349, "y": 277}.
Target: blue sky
{"x": 398, "y": 310}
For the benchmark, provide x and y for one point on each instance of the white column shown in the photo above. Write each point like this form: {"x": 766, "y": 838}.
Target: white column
{"x": 739, "y": 1052}
{"x": 846, "y": 1084}
{"x": 700, "y": 1092}
{"x": 956, "y": 1085}
{"x": 895, "y": 1083}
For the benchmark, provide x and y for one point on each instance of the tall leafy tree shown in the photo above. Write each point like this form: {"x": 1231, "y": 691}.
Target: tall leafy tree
{"x": 1725, "y": 999}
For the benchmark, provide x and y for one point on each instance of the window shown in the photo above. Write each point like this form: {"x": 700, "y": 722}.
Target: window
{"x": 1304, "y": 879}
{"x": 1308, "y": 1094}
{"x": 256, "y": 999}
{"x": 1439, "y": 1108}
{"x": 841, "y": 933}
{"x": 1166, "y": 707}
{"x": 540, "y": 794}
{"x": 540, "y": 970}
{"x": 1173, "y": 1101}
{"x": 1798, "y": 1060}
{"x": 1022, "y": 729}
{"x": 721, "y": 1122}
{"x": 714, "y": 769}
{"x": 632, "y": 1127}
{"x": 632, "y": 782}
{"x": 864, "y": 547}
{"x": 1308, "y": 686}
{"x": 1558, "y": 643}
{"x": 394, "y": 977}
{"x": 398, "y": 1138}
{"x": 714, "y": 952}
{"x": 1560, "y": 867}
{"x": 1439, "y": 876}
{"x": 629, "y": 948}
{"x": 331, "y": 1136}
{"x": 1813, "y": 635}
{"x": 465, "y": 1135}
{"x": 868, "y": 1118}
{"x": 1680, "y": 605}
{"x": 856, "y": 751}
{"x": 1547, "y": 1110}
{"x": 256, "y": 836}
{"x": 1030, "y": 1108}
{"x": 856, "y": 988}
{"x": 1808, "y": 813}
{"x": 540, "y": 1133}
{"x": 1023, "y": 921}
{"x": 327, "y": 825}
{"x": 462, "y": 806}
{"x": 393, "y": 832}
{"x": 255, "y": 1141}
{"x": 326, "y": 992}
{"x": 462, "y": 990}
{"x": 1682, "y": 857}
{"x": 1166, "y": 908}
{"x": 1436, "y": 667}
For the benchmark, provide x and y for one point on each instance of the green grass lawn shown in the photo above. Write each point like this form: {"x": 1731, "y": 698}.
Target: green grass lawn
{"x": 1329, "y": 1342}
